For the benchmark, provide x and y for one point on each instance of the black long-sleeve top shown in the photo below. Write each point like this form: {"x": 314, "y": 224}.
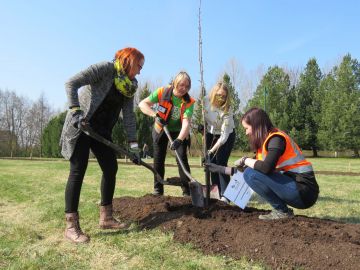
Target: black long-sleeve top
{"x": 276, "y": 147}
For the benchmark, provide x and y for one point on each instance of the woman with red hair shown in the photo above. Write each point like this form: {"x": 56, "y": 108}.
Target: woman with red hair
{"x": 108, "y": 90}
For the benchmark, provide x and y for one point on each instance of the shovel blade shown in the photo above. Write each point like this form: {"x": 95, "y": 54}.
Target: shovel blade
{"x": 197, "y": 195}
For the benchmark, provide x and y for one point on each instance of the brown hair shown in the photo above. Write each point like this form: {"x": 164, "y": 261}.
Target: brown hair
{"x": 261, "y": 126}
{"x": 129, "y": 58}
{"x": 212, "y": 97}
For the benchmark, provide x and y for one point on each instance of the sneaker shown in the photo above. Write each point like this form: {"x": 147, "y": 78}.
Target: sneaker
{"x": 277, "y": 214}
{"x": 225, "y": 200}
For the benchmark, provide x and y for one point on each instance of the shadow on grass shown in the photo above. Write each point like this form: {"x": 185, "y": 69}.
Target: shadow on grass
{"x": 336, "y": 200}
{"x": 327, "y": 199}
{"x": 116, "y": 232}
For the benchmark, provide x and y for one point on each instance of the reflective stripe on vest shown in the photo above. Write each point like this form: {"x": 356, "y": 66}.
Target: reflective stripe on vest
{"x": 291, "y": 160}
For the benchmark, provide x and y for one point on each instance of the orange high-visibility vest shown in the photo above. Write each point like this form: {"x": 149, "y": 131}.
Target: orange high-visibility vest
{"x": 291, "y": 160}
{"x": 165, "y": 105}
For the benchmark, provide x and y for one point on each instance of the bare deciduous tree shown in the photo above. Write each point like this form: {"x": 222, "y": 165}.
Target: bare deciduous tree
{"x": 294, "y": 74}
{"x": 13, "y": 112}
{"x": 24, "y": 121}
{"x": 41, "y": 114}
{"x": 244, "y": 82}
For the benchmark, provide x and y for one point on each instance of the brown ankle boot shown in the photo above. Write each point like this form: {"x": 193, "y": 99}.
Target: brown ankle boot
{"x": 73, "y": 231}
{"x": 107, "y": 221}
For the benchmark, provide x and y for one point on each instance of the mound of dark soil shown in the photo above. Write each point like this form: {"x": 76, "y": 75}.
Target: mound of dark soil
{"x": 309, "y": 243}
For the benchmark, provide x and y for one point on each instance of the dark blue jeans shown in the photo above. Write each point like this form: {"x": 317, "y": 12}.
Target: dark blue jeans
{"x": 277, "y": 189}
{"x": 221, "y": 158}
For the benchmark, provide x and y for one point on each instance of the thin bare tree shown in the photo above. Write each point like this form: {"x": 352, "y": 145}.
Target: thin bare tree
{"x": 244, "y": 81}
{"x": 13, "y": 112}
{"x": 202, "y": 97}
{"x": 23, "y": 121}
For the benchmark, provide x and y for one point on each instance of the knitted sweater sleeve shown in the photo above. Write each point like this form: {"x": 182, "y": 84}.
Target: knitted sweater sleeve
{"x": 90, "y": 75}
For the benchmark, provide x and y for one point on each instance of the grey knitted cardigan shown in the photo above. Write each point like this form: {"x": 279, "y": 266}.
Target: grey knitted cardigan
{"x": 96, "y": 81}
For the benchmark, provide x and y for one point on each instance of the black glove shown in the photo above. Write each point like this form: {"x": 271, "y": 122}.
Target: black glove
{"x": 176, "y": 144}
{"x": 77, "y": 118}
{"x": 206, "y": 159}
{"x": 214, "y": 168}
{"x": 160, "y": 120}
{"x": 135, "y": 150}
{"x": 200, "y": 128}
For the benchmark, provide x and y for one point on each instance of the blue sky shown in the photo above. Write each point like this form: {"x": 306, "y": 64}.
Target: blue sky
{"x": 43, "y": 43}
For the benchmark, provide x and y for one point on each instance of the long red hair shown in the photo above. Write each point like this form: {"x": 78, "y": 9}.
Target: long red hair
{"x": 129, "y": 58}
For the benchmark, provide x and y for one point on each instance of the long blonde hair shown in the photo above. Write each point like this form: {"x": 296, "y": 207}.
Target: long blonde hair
{"x": 212, "y": 97}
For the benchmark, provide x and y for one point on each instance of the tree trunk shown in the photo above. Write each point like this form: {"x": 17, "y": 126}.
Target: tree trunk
{"x": 315, "y": 153}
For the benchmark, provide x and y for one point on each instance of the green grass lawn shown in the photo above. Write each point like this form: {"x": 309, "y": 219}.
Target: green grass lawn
{"x": 32, "y": 218}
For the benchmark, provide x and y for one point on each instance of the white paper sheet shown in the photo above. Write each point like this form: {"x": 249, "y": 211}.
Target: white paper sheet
{"x": 238, "y": 191}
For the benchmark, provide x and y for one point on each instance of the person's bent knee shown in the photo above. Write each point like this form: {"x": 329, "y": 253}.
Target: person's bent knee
{"x": 250, "y": 177}
{"x": 248, "y": 174}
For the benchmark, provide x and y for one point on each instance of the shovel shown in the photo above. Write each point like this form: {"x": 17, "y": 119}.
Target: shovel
{"x": 88, "y": 131}
{"x": 196, "y": 190}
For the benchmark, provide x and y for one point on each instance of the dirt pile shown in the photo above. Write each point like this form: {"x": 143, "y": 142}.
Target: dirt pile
{"x": 310, "y": 243}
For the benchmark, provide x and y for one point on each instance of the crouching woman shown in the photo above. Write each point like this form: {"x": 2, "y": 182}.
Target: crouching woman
{"x": 280, "y": 173}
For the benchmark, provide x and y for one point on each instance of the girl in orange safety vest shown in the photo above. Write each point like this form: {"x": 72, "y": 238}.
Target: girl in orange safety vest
{"x": 280, "y": 173}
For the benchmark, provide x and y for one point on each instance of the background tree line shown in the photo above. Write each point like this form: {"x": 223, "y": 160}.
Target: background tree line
{"x": 321, "y": 110}
{"x": 22, "y": 124}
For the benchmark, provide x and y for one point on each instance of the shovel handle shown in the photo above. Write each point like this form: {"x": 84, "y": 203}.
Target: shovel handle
{"x": 178, "y": 156}
{"x": 88, "y": 131}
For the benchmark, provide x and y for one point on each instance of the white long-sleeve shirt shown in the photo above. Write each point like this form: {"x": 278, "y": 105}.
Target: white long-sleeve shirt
{"x": 218, "y": 123}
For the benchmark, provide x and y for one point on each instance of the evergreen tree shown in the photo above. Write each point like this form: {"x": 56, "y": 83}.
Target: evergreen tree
{"x": 50, "y": 137}
{"x": 197, "y": 117}
{"x": 348, "y": 87}
{"x": 119, "y": 135}
{"x": 144, "y": 123}
{"x": 274, "y": 96}
{"x": 306, "y": 108}
{"x": 328, "y": 112}
{"x": 196, "y": 120}
{"x": 241, "y": 139}
{"x": 340, "y": 123}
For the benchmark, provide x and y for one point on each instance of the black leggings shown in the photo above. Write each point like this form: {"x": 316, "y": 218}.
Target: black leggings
{"x": 221, "y": 158}
{"x": 78, "y": 164}
{"x": 160, "y": 149}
